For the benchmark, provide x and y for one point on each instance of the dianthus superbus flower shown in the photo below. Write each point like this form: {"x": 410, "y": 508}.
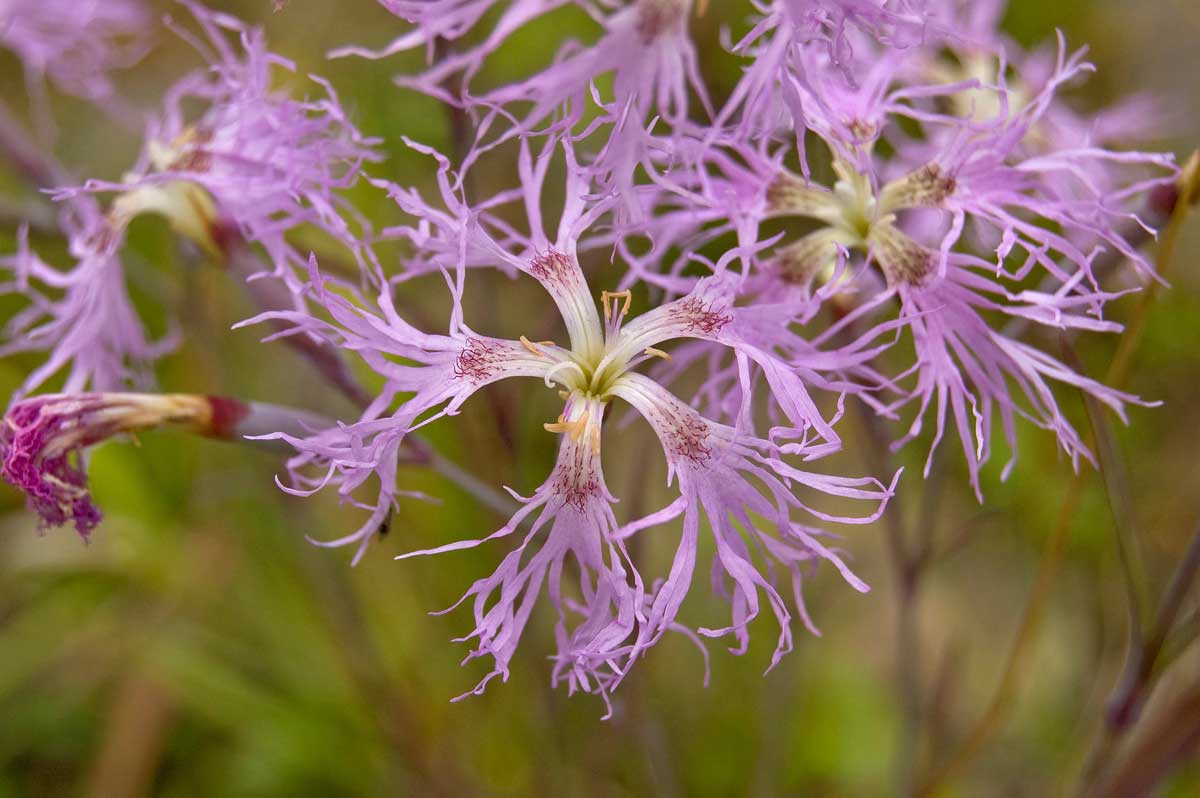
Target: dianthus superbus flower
{"x": 727, "y": 474}
{"x": 82, "y": 317}
{"x": 256, "y": 165}
{"x": 953, "y": 219}
{"x": 256, "y": 160}
{"x": 75, "y": 43}
{"x": 990, "y": 193}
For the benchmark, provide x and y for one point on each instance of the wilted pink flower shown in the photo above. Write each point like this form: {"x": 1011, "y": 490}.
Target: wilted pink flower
{"x": 43, "y": 440}
{"x": 729, "y": 474}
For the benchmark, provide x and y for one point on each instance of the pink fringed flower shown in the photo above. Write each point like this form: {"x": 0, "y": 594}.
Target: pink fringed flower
{"x": 255, "y": 160}
{"x": 728, "y": 474}
{"x": 645, "y": 48}
{"x": 959, "y": 219}
{"x": 82, "y": 317}
{"x": 75, "y": 43}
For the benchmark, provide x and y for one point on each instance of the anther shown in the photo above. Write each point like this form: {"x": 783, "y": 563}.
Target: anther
{"x": 656, "y": 353}
{"x": 605, "y": 296}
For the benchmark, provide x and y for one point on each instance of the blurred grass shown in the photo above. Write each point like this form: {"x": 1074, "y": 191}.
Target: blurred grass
{"x": 200, "y": 646}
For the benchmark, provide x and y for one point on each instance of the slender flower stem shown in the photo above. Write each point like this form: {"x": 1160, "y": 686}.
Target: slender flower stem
{"x": 243, "y": 263}
{"x": 1116, "y": 488}
{"x": 396, "y": 715}
{"x": 990, "y": 721}
{"x": 1002, "y": 699}
{"x": 485, "y": 493}
{"x": 1171, "y": 738}
{"x": 1186, "y": 632}
{"x": 1137, "y": 680}
{"x": 907, "y": 568}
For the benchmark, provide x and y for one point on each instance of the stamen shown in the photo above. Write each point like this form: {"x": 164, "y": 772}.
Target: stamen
{"x": 580, "y": 427}
{"x": 926, "y": 187}
{"x": 656, "y": 353}
{"x": 575, "y": 428}
{"x": 533, "y": 348}
{"x": 605, "y": 296}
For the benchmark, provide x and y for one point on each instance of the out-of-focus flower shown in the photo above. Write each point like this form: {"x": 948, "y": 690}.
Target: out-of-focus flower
{"x": 75, "y": 43}
{"x": 448, "y": 20}
{"x": 728, "y": 474}
{"x": 82, "y": 317}
{"x": 982, "y": 51}
{"x": 645, "y": 49}
{"x": 255, "y": 164}
{"x": 43, "y": 440}
{"x": 255, "y": 160}
{"x": 1041, "y": 216}
{"x": 802, "y": 54}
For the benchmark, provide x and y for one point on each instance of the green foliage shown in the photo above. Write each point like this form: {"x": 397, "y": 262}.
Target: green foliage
{"x": 202, "y": 639}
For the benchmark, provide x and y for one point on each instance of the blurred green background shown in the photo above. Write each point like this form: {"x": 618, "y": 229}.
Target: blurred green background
{"x": 200, "y": 646}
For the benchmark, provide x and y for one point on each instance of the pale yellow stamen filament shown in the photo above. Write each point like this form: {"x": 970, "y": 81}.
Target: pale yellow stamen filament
{"x": 575, "y": 428}
{"x": 533, "y": 348}
{"x": 656, "y": 353}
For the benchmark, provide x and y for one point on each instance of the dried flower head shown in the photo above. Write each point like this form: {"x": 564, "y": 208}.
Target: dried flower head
{"x": 43, "y": 438}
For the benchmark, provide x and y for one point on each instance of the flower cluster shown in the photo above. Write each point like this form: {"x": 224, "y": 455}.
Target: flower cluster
{"x": 255, "y": 166}
{"x": 886, "y": 206}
